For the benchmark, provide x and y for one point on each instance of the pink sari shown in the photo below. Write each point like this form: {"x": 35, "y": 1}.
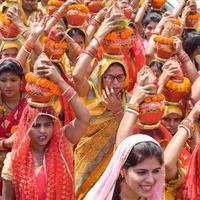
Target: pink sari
{"x": 41, "y": 184}
{"x": 104, "y": 188}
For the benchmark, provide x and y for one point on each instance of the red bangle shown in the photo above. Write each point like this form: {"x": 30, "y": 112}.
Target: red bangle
{"x": 95, "y": 22}
{"x": 29, "y": 46}
{"x": 69, "y": 93}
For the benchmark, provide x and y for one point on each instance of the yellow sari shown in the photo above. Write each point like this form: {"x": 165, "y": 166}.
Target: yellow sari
{"x": 95, "y": 149}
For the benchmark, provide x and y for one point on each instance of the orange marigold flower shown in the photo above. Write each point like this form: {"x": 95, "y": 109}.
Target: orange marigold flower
{"x": 13, "y": 129}
{"x": 56, "y": 3}
{"x": 43, "y": 82}
{"x": 163, "y": 40}
{"x": 195, "y": 16}
{"x": 181, "y": 87}
{"x": 80, "y": 7}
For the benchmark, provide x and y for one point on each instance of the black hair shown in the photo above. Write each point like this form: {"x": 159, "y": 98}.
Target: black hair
{"x": 138, "y": 154}
{"x": 151, "y": 16}
{"x": 157, "y": 64}
{"x": 119, "y": 64}
{"x": 76, "y": 31}
{"x": 12, "y": 66}
{"x": 191, "y": 41}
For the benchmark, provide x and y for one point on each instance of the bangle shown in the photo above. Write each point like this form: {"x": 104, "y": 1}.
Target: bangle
{"x": 69, "y": 93}
{"x": 58, "y": 15}
{"x": 95, "y": 22}
{"x": 132, "y": 106}
{"x": 24, "y": 48}
{"x": 127, "y": 109}
{"x": 91, "y": 51}
{"x": 29, "y": 46}
{"x": 188, "y": 126}
{"x": 97, "y": 40}
{"x": 183, "y": 57}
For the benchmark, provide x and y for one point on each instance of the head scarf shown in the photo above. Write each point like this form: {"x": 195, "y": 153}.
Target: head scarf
{"x": 58, "y": 163}
{"x": 169, "y": 109}
{"x": 104, "y": 188}
{"x": 95, "y": 81}
{"x": 9, "y": 44}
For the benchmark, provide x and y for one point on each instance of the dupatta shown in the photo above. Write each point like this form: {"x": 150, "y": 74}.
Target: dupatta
{"x": 104, "y": 188}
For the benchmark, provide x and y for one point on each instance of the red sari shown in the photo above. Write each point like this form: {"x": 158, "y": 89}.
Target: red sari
{"x": 6, "y": 124}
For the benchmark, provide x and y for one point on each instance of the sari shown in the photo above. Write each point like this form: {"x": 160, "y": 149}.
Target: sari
{"x": 190, "y": 189}
{"x": 7, "y": 122}
{"x": 95, "y": 148}
{"x": 104, "y": 188}
{"x": 57, "y": 176}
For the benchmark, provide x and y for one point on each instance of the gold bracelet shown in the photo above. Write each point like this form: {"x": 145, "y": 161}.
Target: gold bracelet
{"x": 132, "y": 106}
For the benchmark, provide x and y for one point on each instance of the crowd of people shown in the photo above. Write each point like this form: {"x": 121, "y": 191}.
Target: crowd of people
{"x": 99, "y": 99}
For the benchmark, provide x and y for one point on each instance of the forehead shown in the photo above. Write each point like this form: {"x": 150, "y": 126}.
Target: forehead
{"x": 173, "y": 116}
{"x": 148, "y": 164}
{"x": 152, "y": 24}
{"x": 44, "y": 119}
{"x": 115, "y": 68}
{"x": 10, "y": 50}
{"x": 9, "y": 75}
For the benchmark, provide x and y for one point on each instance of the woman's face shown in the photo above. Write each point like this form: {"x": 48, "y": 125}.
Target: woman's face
{"x": 156, "y": 71}
{"x": 114, "y": 78}
{"x": 9, "y": 84}
{"x": 142, "y": 178}
{"x": 29, "y": 5}
{"x": 149, "y": 29}
{"x": 171, "y": 122}
{"x": 9, "y": 53}
{"x": 79, "y": 40}
{"x": 41, "y": 131}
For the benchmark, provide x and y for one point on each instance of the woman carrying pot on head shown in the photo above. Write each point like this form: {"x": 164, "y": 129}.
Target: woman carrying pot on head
{"x": 40, "y": 165}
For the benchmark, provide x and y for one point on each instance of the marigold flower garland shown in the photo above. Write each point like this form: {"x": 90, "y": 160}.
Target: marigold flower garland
{"x": 79, "y": 7}
{"x": 163, "y": 40}
{"x": 122, "y": 34}
{"x": 155, "y": 98}
{"x": 43, "y": 82}
{"x": 55, "y": 3}
{"x": 7, "y": 26}
{"x": 195, "y": 16}
{"x": 180, "y": 87}
{"x": 54, "y": 44}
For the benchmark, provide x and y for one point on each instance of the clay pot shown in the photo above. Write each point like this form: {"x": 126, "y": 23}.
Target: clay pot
{"x": 153, "y": 113}
{"x": 9, "y": 31}
{"x": 190, "y": 23}
{"x": 128, "y": 11}
{"x": 164, "y": 51}
{"x": 75, "y": 17}
{"x": 157, "y": 4}
{"x": 95, "y": 6}
{"x": 38, "y": 94}
{"x": 173, "y": 96}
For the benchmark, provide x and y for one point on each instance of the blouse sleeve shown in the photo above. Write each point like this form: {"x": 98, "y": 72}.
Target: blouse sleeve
{"x": 6, "y": 171}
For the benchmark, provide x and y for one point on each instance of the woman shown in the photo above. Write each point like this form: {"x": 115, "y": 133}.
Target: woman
{"x": 105, "y": 95}
{"x": 12, "y": 103}
{"x": 191, "y": 45}
{"x": 10, "y": 48}
{"x": 134, "y": 172}
{"x": 150, "y": 22}
{"x": 173, "y": 117}
{"x": 40, "y": 165}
